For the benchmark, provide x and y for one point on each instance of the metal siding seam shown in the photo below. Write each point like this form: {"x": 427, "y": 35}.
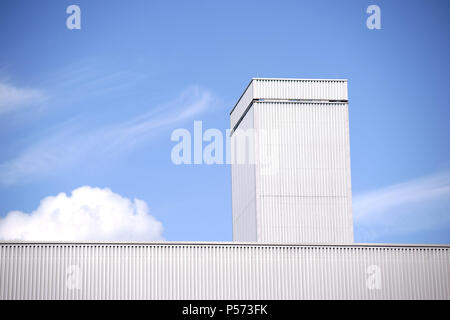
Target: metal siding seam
{"x": 3, "y": 274}
{"x": 256, "y": 114}
{"x": 11, "y": 275}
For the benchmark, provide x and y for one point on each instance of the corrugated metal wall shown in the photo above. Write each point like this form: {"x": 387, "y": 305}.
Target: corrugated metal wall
{"x": 306, "y": 197}
{"x": 299, "y": 89}
{"x": 222, "y": 271}
{"x": 302, "y": 173}
{"x": 243, "y": 188}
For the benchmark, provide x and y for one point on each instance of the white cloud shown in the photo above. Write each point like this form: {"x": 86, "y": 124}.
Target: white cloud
{"x": 411, "y": 207}
{"x": 71, "y": 143}
{"x": 87, "y": 214}
{"x": 12, "y": 98}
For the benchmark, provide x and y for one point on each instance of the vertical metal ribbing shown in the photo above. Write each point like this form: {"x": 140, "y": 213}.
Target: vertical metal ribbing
{"x": 318, "y": 148}
{"x": 9, "y": 273}
{"x": 306, "y": 170}
{"x": 225, "y": 271}
{"x": 243, "y": 189}
{"x": 308, "y": 89}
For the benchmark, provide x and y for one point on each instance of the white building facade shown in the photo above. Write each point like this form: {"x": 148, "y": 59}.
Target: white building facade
{"x": 295, "y": 186}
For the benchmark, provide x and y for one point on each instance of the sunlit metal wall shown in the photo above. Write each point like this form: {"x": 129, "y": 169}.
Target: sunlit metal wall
{"x": 222, "y": 271}
{"x": 303, "y": 180}
{"x": 302, "y": 154}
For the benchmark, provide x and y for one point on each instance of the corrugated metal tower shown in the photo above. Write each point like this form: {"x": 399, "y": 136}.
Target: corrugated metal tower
{"x": 291, "y": 162}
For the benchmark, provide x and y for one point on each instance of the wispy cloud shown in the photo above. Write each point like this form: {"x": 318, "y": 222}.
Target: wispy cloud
{"x": 414, "y": 206}
{"x": 72, "y": 84}
{"x": 191, "y": 102}
{"x": 83, "y": 80}
{"x": 13, "y": 98}
{"x": 72, "y": 144}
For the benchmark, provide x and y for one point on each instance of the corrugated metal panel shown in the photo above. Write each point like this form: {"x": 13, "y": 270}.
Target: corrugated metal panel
{"x": 302, "y": 177}
{"x": 300, "y": 89}
{"x": 243, "y": 183}
{"x": 306, "y": 196}
{"x": 222, "y": 271}
{"x": 288, "y": 89}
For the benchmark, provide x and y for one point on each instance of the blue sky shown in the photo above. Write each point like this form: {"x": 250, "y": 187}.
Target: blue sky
{"x": 96, "y": 106}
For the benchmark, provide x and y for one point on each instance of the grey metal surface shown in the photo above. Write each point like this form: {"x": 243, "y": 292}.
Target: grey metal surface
{"x": 243, "y": 188}
{"x": 222, "y": 271}
{"x": 302, "y": 184}
{"x": 306, "y": 194}
{"x": 288, "y": 89}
